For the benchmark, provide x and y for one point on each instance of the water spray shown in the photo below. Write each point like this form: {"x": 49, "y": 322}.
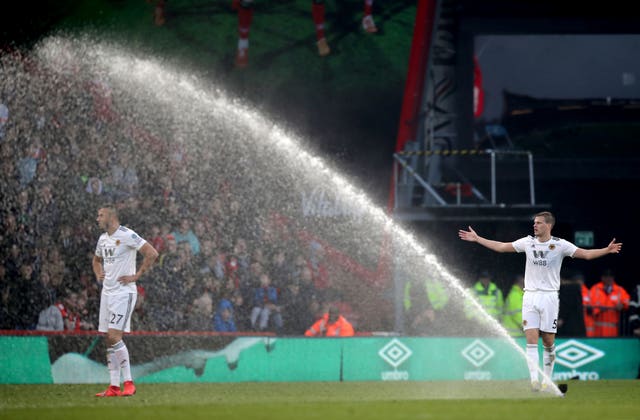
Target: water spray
{"x": 192, "y": 99}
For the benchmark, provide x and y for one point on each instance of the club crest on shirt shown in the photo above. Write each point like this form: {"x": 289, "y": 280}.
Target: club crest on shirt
{"x": 134, "y": 236}
{"x": 552, "y": 247}
{"x": 117, "y": 242}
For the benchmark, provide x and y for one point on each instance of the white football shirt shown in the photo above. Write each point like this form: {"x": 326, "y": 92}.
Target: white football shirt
{"x": 544, "y": 261}
{"x": 118, "y": 253}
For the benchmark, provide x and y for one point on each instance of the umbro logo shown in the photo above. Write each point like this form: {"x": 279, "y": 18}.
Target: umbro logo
{"x": 574, "y": 354}
{"x": 395, "y": 353}
{"x": 477, "y": 353}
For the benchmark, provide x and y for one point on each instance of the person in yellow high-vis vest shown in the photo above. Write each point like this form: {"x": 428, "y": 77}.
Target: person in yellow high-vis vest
{"x": 424, "y": 299}
{"x": 488, "y": 295}
{"x": 512, "y": 315}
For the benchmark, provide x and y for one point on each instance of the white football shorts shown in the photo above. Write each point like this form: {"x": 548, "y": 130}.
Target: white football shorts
{"x": 115, "y": 311}
{"x": 540, "y": 310}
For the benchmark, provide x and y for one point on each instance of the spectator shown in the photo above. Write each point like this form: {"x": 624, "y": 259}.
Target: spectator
{"x": 18, "y": 254}
{"x": 68, "y": 245}
{"x": 368, "y": 24}
{"x": 171, "y": 250}
{"x": 83, "y": 319}
{"x": 124, "y": 176}
{"x": 26, "y": 298}
{"x": 64, "y": 315}
{"x": 25, "y": 212}
{"x": 165, "y": 294}
{"x": 140, "y": 316}
{"x": 202, "y": 233}
{"x": 55, "y": 267}
{"x": 256, "y": 269}
{"x": 101, "y": 93}
{"x": 295, "y": 307}
{"x": 609, "y": 299}
{"x": 308, "y": 289}
{"x": 318, "y": 11}
{"x": 47, "y": 290}
{"x": 48, "y": 213}
{"x": 10, "y": 180}
{"x": 185, "y": 234}
{"x": 156, "y": 239}
{"x": 316, "y": 262}
{"x": 224, "y": 318}
{"x": 200, "y": 311}
{"x": 424, "y": 299}
{"x": 280, "y": 269}
{"x": 207, "y": 251}
{"x": 331, "y": 324}
{"x": 512, "y": 315}
{"x": 164, "y": 194}
{"x": 237, "y": 220}
{"x": 258, "y": 256}
{"x": 245, "y": 17}
{"x": 216, "y": 265}
{"x": 51, "y": 318}
{"x": 299, "y": 262}
{"x": 91, "y": 292}
{"x": 231, "y": 272}
{"x": 4, "y": 117}
{"x": 17, "y": 232}
{"x": 74, "y": 184}
{"x": 28, "y": 164}
{"x": 241, "y": 251}
{"x": 587, "y": 307}
{"x": 94, "y": 186}
{"x": 216, "y": 220}
{"x": 265, "y": 306}
{"x": 488, "y": 295}
{"x": 159, "y": 12}
{"x": 571, "y": 313}
{"x": 242, "y": 311}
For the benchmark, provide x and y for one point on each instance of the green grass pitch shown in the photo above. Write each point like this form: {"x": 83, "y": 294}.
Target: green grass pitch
{"x": 496, "y": 400}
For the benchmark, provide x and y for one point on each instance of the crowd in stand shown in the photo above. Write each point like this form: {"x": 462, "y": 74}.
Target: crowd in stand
{"x": 221, "y": 267}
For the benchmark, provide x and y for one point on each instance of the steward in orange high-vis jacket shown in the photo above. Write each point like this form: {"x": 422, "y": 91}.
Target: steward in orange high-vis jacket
{"x": 331, "y": 324}
{"x": 587, "y": 311}
{"x": 609, "y": 300}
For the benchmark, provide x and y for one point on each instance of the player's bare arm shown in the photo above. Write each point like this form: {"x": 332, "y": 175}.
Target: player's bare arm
{"x": 497, "y": 246}
{"x": 150, "y": 255}
{"x": 590, "y": 254}
{"x": 97, "y": 268}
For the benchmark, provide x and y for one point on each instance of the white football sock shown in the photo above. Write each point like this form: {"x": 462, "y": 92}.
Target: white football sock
{"x": 114, "y": 367}
{"x": 548, "y": 360}
{"x": 122, "y": 356}
{"x": 533, "y": 361}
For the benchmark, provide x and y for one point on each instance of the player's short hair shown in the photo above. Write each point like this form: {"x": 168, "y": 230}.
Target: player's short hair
{"x": 549, "y": 218}
{"x": 111, "y": 208}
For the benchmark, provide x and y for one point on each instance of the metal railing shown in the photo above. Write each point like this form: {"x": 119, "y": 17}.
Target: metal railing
{"x": 400, "y": 162}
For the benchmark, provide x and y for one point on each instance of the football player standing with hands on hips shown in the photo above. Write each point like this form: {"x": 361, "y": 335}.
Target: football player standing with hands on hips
{"x": 540, "y": 303}
{"x": 114, "y": 265}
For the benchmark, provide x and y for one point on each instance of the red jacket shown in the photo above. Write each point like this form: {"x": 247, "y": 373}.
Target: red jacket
{"x": 340, "y": 328}
{"x": 71, "y": 321}
{"x": 606, "y": 317}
